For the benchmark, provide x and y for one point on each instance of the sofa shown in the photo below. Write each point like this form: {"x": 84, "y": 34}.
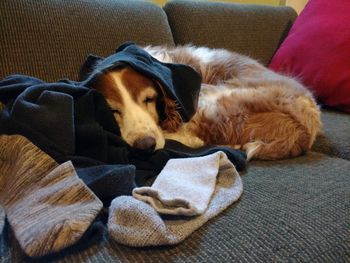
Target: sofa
{"x": 294, "y": 210}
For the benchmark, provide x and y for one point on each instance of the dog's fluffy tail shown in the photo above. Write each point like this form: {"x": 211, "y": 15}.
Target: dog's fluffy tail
{"x": 307, "y": 113}
{"x": 277, "y": 135}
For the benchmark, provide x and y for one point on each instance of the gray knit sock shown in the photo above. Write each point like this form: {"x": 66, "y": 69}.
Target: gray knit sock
{"x": 48, "y": 207}
{"x": 184, "y": 187}
{"x": 135, "y": 223}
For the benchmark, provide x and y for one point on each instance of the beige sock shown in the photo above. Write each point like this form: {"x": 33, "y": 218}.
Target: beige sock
{"x": 46, "y": 204}
{"x": 135, "y": 223}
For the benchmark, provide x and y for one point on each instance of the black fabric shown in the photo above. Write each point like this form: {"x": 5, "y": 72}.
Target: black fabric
{"x": 109, "y": 181}
{"x": 180, "y": 82}
{"x": 71, "y": 122}
{"x": 60, "y": 118}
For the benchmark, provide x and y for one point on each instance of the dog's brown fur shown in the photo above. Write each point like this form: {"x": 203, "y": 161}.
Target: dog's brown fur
{"x": 242, "y": 104}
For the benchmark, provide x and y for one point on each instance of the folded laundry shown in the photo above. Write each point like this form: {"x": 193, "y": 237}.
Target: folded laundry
{"x": 64, "y": 135}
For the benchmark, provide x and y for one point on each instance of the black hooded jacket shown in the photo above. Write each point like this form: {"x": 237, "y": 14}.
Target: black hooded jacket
{"x": 71, "y": 121}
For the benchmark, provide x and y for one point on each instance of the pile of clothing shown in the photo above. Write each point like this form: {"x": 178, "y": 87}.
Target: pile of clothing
{"x": 63, "y": 160}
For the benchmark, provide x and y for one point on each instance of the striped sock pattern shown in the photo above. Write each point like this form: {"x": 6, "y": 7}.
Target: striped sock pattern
{"x": 48, "y": 207}
{"x": 2, "y": 219}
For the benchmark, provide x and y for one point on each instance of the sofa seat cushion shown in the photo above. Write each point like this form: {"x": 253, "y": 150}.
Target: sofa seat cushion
{"x": 335, "y": 139}
{"x": 294, "y": 210}
{"x": 249, "y": 29}
{"x": 50, "y": 39}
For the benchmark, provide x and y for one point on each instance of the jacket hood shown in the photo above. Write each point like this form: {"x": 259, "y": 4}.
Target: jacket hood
{"x": 180, "y": 82}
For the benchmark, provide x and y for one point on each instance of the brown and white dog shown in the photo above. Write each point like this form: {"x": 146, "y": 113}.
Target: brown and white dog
{"x": 242, "y": 104}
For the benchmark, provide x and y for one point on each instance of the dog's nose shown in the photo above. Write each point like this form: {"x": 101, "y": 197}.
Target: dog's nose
{"x": 146, "y": 143}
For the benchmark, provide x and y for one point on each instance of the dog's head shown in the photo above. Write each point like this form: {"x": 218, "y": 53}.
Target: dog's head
{"x": 140, "y": 107}
{"x": 145, "y": 94}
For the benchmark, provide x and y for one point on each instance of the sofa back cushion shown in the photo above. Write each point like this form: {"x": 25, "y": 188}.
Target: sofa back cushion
{"x": 253, "y": 30}
{"x": 50, "y": 39}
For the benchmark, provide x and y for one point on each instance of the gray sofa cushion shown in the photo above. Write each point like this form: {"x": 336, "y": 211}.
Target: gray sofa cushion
{"x": 50, "y": 39}
{"x": 294, "y": 210}
{"x": 253, "y": 30}
{"x": 335, "y": 140}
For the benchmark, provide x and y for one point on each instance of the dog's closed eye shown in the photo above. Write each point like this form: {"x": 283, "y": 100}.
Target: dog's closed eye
{"x": 150, "y": 99}
{"x": 117, "y": 111}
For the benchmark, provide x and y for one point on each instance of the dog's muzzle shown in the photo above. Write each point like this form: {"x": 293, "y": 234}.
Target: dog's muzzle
{"x": 146, "y": 143}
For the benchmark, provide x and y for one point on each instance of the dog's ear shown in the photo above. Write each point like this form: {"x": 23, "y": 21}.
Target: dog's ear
{"x": 88, "y": 66}
{"x": 170, "y": 118}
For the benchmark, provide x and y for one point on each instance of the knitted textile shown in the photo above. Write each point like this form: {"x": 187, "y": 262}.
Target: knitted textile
{"x": 48, "y": 207}
{"x": 2, "y": 219}
{"x": 184, "y": 187}
{"x": 135, "y": 223}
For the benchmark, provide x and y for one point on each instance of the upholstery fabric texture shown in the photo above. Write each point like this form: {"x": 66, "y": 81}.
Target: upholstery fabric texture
{"x": 50, "y": 39}
{"x": 335, "y": 138}
{"x": 249, "y": 29}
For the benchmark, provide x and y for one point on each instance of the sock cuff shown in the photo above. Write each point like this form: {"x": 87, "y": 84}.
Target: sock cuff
{"x": 135, "y": 223}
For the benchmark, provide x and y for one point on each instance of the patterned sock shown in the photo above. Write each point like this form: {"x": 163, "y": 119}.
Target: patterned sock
{"x": 135, "y": 223}
{"x": 2, "y": 219}
{"x": 48, "y": 207}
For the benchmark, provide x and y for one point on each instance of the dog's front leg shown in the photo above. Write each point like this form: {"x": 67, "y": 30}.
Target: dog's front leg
{"x": 185, "y": 136}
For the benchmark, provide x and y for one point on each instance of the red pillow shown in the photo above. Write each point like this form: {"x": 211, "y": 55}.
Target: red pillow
{"x": 317, "y": 51}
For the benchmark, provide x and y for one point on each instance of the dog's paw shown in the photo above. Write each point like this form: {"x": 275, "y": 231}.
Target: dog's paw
{"x": 252, "y": 148}
{"x": 186, "y": 139}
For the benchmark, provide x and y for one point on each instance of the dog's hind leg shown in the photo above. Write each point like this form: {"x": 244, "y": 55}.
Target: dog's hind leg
{"x": 274, "y": 135}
